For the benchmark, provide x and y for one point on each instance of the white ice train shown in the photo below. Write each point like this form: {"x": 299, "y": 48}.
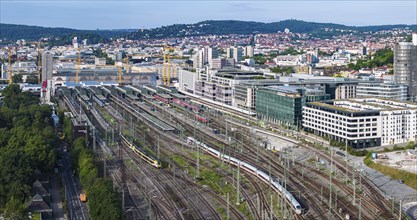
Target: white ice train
{"x": 252, "y": 169}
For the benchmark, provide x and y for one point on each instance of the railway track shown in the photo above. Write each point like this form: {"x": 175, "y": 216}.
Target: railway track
{"x": 192, "y": 162}
{"x": 321, "y": 212}
{"x": 378, "y": 201}
{"x": 183, "y": 195}
{"x": 209, "y": 135}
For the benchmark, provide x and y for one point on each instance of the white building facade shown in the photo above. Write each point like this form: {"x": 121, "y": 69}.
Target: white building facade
{"x": 382, "y": 90}
{"x": 362, "y": 123}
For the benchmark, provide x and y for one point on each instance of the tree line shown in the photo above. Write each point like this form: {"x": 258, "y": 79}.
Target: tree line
{"x": 103, "y": 202}
{"x": 27, "y": 141}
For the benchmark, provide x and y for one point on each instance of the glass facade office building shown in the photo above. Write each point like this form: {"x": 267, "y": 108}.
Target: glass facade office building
{"x": 281, "y": 104}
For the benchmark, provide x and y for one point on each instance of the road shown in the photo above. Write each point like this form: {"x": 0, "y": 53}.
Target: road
{"x": 76, "y": 209}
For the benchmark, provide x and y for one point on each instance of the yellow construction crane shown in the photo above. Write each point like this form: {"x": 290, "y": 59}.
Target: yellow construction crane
{"x": 9, "y": 75}
{"x": 78, "y": 66}
{"x": 127, "y": 63}
{"x": 120, "y": 74}
{"x": 167, "y": 67}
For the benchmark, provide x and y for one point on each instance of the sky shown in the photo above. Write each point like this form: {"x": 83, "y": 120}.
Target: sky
{"x": 134, "y": 14}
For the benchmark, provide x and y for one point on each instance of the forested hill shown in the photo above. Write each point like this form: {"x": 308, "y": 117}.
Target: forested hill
{"x": 211, "y": 27}
{"x": 13, "y": 32}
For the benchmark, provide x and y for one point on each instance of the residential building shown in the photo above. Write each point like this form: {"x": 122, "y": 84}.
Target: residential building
{"x": 248, "y": 51}
{"x": 405, "y": 65}
{"x": 198, "y": 59}
{"x": 362, "y": 123}
{"x": 382, "y": 90}
{"x": 235, "y": 53}
{"x": 212, "y": 53}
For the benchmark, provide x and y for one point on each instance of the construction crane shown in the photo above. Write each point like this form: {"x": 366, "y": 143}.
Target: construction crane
{"x": 77, "y": 71}
{"x": 127, "y": 63}
{"x": 167, "y": 67}
{"x": 120, "y": 74}
{"x": 9, "y": 75}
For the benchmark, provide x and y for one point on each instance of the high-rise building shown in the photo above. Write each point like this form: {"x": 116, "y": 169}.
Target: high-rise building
{"x": 212, "y": 53}
{"x": 229, "y": 52}
{"x": 237, "y": 54}
{"x": 198, "y": 59}
{"x": 75, "y": 42}
{"x": 248, "y": 51}
{"x": 47, "y": 66}
{"x": 405, "y": 65}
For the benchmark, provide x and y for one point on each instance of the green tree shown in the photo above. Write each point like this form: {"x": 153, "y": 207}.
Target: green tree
{"x": 18, "y": 78}
{"x": 15, "y": 210}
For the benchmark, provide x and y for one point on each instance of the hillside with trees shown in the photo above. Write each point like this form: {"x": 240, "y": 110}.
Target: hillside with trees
{"x": 13, "y": 32}
{"x": 220, "y": 27}
{"x": 27, "y": 148}
{"x": 382, "y": 57}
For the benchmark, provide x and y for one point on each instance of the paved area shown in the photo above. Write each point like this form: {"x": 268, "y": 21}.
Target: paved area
{"x": 76, "y": 209}
{"x": 56, "y": 202}
{"x": 401, "y": 160}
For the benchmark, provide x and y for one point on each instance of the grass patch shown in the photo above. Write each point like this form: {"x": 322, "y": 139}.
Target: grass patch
{"x": 408, "y": 178}
{"x": 109, "y": 119}
{"x": 36, "y": 216}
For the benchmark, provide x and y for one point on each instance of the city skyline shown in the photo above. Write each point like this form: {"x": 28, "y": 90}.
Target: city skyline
{"x": 130, "y": 14}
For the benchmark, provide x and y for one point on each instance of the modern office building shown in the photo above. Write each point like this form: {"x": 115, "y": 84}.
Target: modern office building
{"x": 405, "y": 65}
{"x": 280, "y": 104}
{"x": 245, "y": 92}
{"x": 392, "y": 91}
{"x": 220, "y": 63}
{"x": 362, "y": 123}
{"x": 187, "y": 80}
{"x": 47, "y": 66}
{"x": 219, "y": 85}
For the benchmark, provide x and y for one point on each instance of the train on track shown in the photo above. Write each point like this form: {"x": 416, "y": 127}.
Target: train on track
{"x": 99, "y": 102}
{"x": 255, "y": 171}
{"x": 157, "y": 97}
{"x": 201, "y": 118}
{"x": 152, "y": 161}
{"x": 186, "y": 105}
{"x": 178, "y": 102}
{"x": 84, "y": 103}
